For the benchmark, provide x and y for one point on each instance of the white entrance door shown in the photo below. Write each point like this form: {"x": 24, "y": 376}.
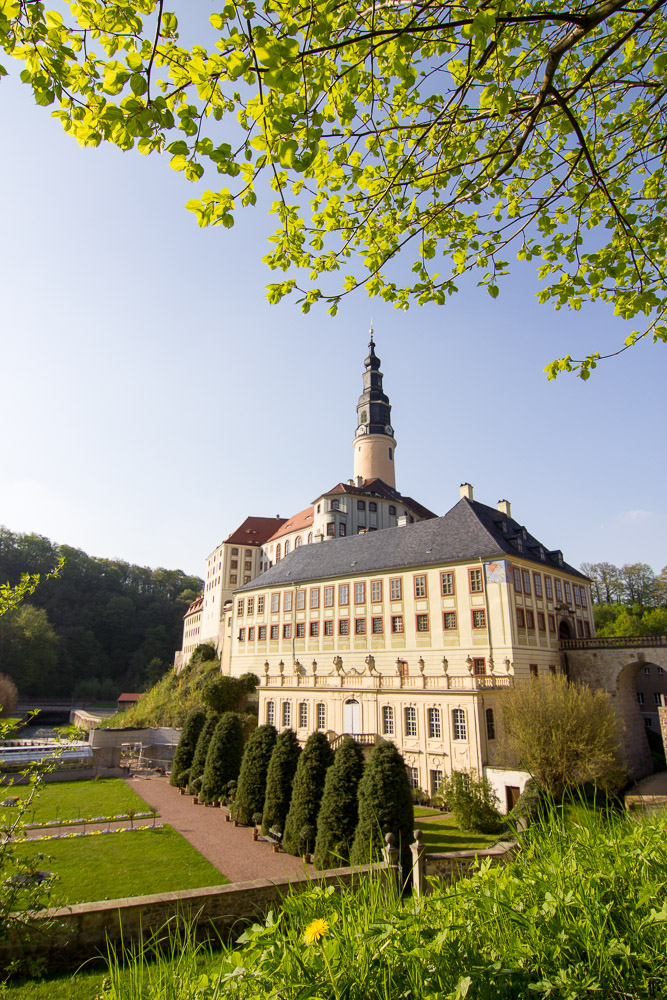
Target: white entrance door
{"x": 351, "y": 716}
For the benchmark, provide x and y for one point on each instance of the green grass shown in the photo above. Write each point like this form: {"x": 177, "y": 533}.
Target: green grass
{"x": 444, "y": 835}
{"x": 426, "y": 811}
{"x": 64, "y": 800}
{"x": 114, "y": 865}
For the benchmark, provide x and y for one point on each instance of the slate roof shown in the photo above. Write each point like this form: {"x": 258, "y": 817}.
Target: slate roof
{"x": 470, "y": 530}
{"x": 255, "y": 530}
{"x": 378, "y": 488}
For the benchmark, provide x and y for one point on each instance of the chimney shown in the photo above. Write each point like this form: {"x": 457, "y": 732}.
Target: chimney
{"x": 504, "y": 507}
{"x": 277, "y": 517}
{"x": 360, "y": 481}
{"x": 402, "y": 521}
{"x": 318, "y": 537}
{"x": 465, "y": 490}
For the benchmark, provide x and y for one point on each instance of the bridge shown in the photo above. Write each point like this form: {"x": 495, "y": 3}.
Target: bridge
{"x": 612, "y": 665}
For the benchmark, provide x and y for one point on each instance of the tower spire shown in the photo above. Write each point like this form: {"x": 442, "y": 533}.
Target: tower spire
{"x": 374, "y": 441}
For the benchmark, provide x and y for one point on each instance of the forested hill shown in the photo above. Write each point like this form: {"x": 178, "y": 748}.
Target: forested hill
{"x": 101, "y": 627}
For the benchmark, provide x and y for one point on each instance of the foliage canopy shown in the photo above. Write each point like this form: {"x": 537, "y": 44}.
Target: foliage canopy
{"x": 339, "y": 810}
{"x": 311, "y": 771}
{"x": 279, "y": 781}
{"x": 407, "y": 143}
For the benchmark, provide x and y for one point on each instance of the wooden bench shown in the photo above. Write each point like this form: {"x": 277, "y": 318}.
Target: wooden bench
{"x": 274, "y": 837}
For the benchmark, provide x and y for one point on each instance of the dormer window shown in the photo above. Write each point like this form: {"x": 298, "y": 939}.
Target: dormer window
{"x": 541, "y": 553}
{"x": 519, "y": 543}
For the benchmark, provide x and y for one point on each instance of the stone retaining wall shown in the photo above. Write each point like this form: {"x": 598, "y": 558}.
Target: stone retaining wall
{"x": 453, "y": 865}
{"x": 67, "y": 936}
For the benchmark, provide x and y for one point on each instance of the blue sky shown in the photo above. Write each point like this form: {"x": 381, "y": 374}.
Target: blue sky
{"x": 152, "y": 398}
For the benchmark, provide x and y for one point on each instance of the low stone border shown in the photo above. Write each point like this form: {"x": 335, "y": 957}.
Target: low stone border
{"x": 450, "y": 866}
{"x": 81, "y": 821}
{"x": 85, "y": 833}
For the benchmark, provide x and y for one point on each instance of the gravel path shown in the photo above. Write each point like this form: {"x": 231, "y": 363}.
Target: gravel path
{"x": 229, "y": 848}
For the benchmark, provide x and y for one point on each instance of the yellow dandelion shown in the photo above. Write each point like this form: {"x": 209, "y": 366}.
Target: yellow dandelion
{"x": 315, "y": 930}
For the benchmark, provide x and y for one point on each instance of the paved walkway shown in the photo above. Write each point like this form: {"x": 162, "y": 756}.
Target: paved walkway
{"x": 229, "y": 848}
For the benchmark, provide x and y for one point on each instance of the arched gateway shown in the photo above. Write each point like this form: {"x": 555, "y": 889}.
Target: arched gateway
{"x": 613, "y": 665}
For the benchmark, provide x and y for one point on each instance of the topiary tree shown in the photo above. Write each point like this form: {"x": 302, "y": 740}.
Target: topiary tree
{"x": 385, "y": 806}
{"x": 251, "y": 789}
{"x": 201, "y": 750}
{"x": 339, "y": 812}
{"x": 187, "y": 745}
{"x": 279, "y": 781}
{"x": 315, "y": 760}
{"x": 223, "y": 760}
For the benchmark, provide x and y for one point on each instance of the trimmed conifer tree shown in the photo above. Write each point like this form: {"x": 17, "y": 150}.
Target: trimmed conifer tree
{"x": 223, "y": 760}
{"x": 251, "y": 789}
{"x": 385, "y": 806}
{"x": 339, "y": 812}
{"x": 315, "y": 760}
{"x": 187, "y": 745}
{"x": 203, "y": 743}
{"x": 279, "y": 781}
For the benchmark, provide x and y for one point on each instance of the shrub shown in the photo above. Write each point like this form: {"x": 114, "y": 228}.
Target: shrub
{"x": 9, "y": 695}
{"x": 279, "y": 781}
{"x": 316, "y": 758}
{"x": 385, "y": 806}
{"x": 339, "y": 811}
{"x": 251, "y": 789}
{"x": 223, "y": 761}
{"x": 531, "y": 805}
{"x": 472, "y": 802}
{"x": 201, "y": 653}
{"x": 201, "y": 750}
{"x": 224, "y": 694}
{"x": 187, "y": 745}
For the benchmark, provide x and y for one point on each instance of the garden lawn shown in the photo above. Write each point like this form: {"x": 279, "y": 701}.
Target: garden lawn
{"x": 113, "y": 865}
{"x": 65, "y": 800}
{"x": 441, "y": 835}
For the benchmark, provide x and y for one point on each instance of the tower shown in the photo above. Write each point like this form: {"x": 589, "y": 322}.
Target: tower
{"x": 374, "y": 443}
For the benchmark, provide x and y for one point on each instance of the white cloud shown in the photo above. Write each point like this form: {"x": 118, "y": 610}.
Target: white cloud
{"x": 636, "y": 515}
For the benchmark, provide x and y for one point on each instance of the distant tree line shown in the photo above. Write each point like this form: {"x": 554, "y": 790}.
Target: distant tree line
{"x": 628, "y": 600}
{"x": 101, "y": 626}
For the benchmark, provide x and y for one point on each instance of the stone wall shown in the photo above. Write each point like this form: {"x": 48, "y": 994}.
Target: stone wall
{"x": 453, "y": 865}
{"x": 67, "y": 936}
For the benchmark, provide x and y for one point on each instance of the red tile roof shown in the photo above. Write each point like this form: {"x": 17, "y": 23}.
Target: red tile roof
{"x": 255, "y": 531}
{"x": 300, "y": 522}
{"x": 128, "y": 697}
{"x": 196, "y": 605}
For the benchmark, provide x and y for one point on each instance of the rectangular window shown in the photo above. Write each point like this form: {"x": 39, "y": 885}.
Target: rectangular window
{"x": 447, "y": 584}
{"x": 251, "y": 634}
{"x": 361, "y": 505}
{"x": 235, "y": 564}
{"x": 449, "y": 620}
{"x": 232, "y": 578}
{"x": 479, "y": 666}
{"x": 331, "y": 529}
{"x": 275, "y": 603}
{"x": 314, "y": 598}
{"x": 587, "y": 630}
{"x": 343, "y": 595}
{"x": 248, "y": 565}
{"x": 342, "y": 530}
{"x": 577, "y": 600}
{"x": 235, "y": 552}
{"x": 520, "y": 618}
{"x": 537, "y": 580}
{"x": 552, "y": 623}
{"x": 261, "y": 633}
{"x": 410, "y": 721}
{"x": 552, "y": 668}
{"x": 303, "y": 715}
{"x": 526, "y": 582}
{"x": 541, "y": 624}
{"x": 640, "y": 698}
{"x": 490, "y": 725}
{"x": 530, "y": 619}
{"x": 479, "y": 618}
{"x": 395, "y": 589}
{"x": 517, "y": 580}
{"x": 241, "y": 635}
{"x": 533, "y": 669}
{"x": 396, "y": 623}
{"x": 376, "y": 591}
{"x": 300, "y": 630}
{"x": 314, "y": 629}
{"x": 377, "y": 626}
{"x": 413, "y": 777}
{"x": 580, "y": 628}
{"x": 422, "y": 623}
{"x": 582, "y": 591}
{"x": 344, "y": 626}
{"x": 459, "y": 730}
{"x": 328, "y": 597}
{"x": 392, "y": 509}
{"x": 387, "y": 720}
{"x": 434, "y": 727}
{"x": 360, "y": 626}
{"x": 260, "y": 605}
{"x": 270, "y": 713}
{"x": 475, "y": 578}
{"x": 287, "y": 713}
{"x": 420, "y": 586}
{"x": 436, "y": 781}
{"x": 360, "y": 593}
{"x": 274, "y": 631}
{"x": 239, "y": 608}
{"x": 251, "y": 605}
{"x": 321, "y": 715}
{"x": 287, "y": 601}
{"x": 559, "y": 589}
{"x": 372, "y": 506}
{"x": 328, "y": 627}
{"x": 300, "y": 600}
{"x": 548, "y": 586}
{"x": 287, "y": 631}
{"x": 657, "y": 698}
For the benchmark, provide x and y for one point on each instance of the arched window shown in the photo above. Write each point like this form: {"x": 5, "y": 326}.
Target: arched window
{"x": 278, "y": 552}
{"x": 310, "y": 538}
{"x": 286, "y": 547}
{"x": 298, "y": 541}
